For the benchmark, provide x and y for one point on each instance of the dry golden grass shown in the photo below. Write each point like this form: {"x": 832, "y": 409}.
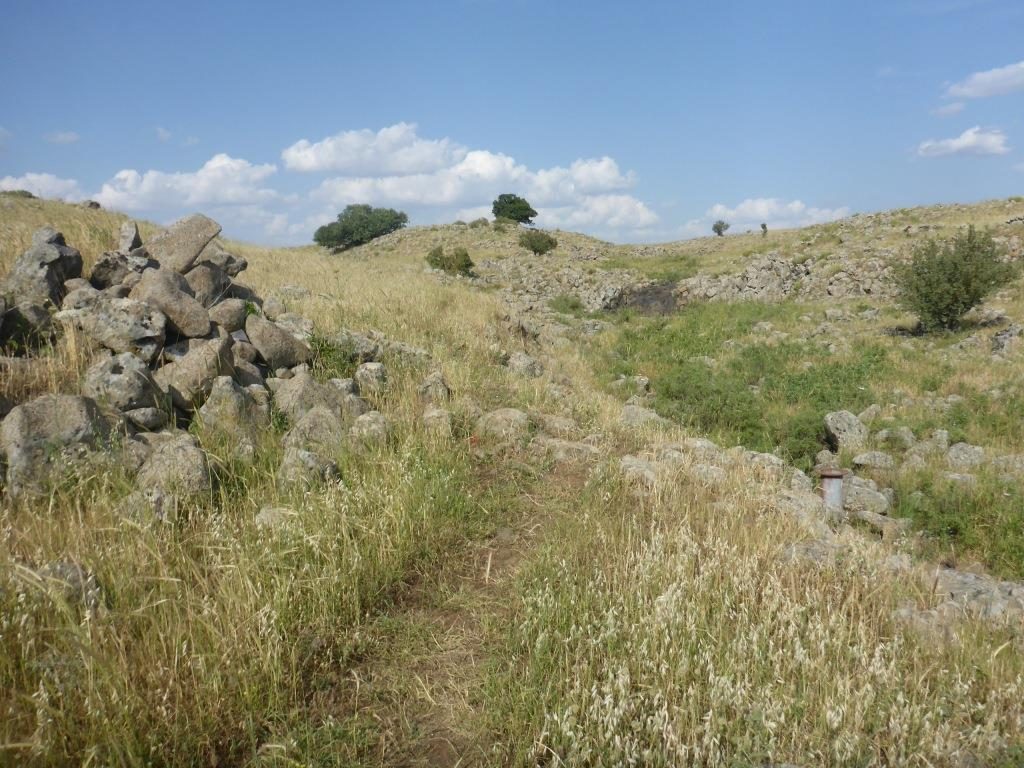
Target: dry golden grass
{"x": 662, "y": 631}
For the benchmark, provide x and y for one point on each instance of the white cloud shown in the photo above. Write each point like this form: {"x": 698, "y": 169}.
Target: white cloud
{"x": 973, "y": 141}
{"x": 946, "y": 110}
{"x": 162, "y": 134}
{"x": 222, "y": 180}
{"x": 992, "y": 82}
{"x": 602, "y": 212}
{"x": 43, "y": 185}
{"x": 586, "y": 194}
{"x": 773, "y": 211}
{"x": 392, "y": 150}
{"x": 62, "y": 137}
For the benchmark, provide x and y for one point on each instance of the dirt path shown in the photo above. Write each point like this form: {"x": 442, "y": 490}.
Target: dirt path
{"x": 426, "y": 690}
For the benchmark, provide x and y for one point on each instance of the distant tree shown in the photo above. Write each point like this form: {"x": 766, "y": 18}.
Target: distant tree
{"x": 359, "y": 224}
{"x": 537, "y": 241}
{"x": 764, "y": 229}
{"x": 454, "y": 262}
{"x": 719, "y": 228}
{"x": 508, "y": 206}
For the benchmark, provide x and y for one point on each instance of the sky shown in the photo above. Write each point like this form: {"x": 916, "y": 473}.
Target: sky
{"x": 634, "y": 122}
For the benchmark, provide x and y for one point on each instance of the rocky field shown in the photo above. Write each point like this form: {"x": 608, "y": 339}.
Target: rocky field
{"x": 282, "y": 507}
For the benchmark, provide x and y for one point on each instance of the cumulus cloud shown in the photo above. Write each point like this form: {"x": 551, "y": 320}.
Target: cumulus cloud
{"x": 946, "y": 110}
{"x": 396, "y": 149}
{"x": 992, "y": 82}
{"x": 588, "y": 193}
{"x": 973, "y": 141}
{"x": 43, "y": 185}
{"x": 601, "y": 212}
{"x": 222, "y": 180}
{"x": 773, "y": 211}
{"x": 62, "y": 137}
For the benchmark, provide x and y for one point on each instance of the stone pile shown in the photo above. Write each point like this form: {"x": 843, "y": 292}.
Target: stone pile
{"x": 184, "y": 343}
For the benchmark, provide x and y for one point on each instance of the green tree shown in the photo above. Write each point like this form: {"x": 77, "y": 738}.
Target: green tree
{"x": 508, "y": 206}
{"x": 719, "y": 227}
{"x": 454, "y": 262}
{"x": 944, "y": 280}
{"x": 537, "y": 241}
{"x": 359, "y": 224}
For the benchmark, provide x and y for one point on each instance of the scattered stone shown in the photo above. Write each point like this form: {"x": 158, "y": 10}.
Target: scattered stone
{"x": 237, "y": 413}
{"x": 637, "y": 416}
{"x": 965, "y": 456}
{"x": 297, "y": 325}
{"x": 275, "y": 518}
{"x": 873, "y": 460}
{"x": 566, "y": 450}
{"x": 437, "y": 422}
{"x": 434, "y": 390}
{"x": 524, "y": 365}
{"x": 639, "y": 472}
{"x": 506, "y": 425}
{"x": 73, "y": 584}
{"x": 845, "y": 431}
{"x": 370, "y": 429}
{"x": 49, "y": 434}
{"x": 861, "y": 495}
{"x": 177, "y": 466}
{"x": 306, "y": 469}
{"x": 273, "y": 307}
{"x": 208, "y": 284}
{"x": 39, "y": 274}
{"x": 371, "y": 378}
{"x": 217, "y": 256}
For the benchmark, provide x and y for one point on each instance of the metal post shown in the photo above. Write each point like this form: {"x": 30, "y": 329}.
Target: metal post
{"x": 832, "y": 492}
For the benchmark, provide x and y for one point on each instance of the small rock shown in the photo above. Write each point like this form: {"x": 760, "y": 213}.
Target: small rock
{"x": 122, "y": 382}
{"x": 128, "y": 238}
{"x": 965, "y": 456}
{"x": 637, "y": 416}
{"x": 370, "y": 429}
{"x": 371, "y": 378}
{"x": 189, "y": 380}
{"x": 434, "y": 390}
{"x": 277, "y": 347}
{"x": 503, "y": 425}
{"x": 524, "y": 365}
{"x": 845, "y": 431}
{"x": 167, "y": 291}
{"x": 177, "y": 466}
{"x": 437, "y": 422}
{"x": 178, "y": 247}
{"x": 873, "y": 460}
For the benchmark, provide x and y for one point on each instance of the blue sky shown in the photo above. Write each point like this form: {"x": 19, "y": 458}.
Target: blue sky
{"x": 638, "y": 121}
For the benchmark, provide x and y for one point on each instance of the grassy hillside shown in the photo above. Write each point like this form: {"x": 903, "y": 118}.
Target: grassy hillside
{"x": 446, "y": 605}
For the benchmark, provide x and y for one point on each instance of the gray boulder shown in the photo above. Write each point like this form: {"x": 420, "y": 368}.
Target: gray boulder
{"x": 215, "y": 254}
{"x": 229, "y": 314}
{"x": 873, "y": 460}
{"x": 178, "y": 466}
{"x": 298, "y": 326}
{"x": 434, "y": 390}
{"x": 503, "y": 425}
{"x": 178, "y": 247}
{"x": 39, "y": 274}
{"x": 128, "y": 239}
{"x": 296, "y": 396}
{"x": 860, "y": 495}
{"x": 122, "y": 382}
{"x": 370, "y": 430}
{"x": 189, "y": 380}
{"x": 320, "y": 430}
{"x": 437, "y": 422}
{"x": 208, "y": 283}
{"x": 277, "y": 347}
{"x": 638, "y": 416}
{"x": 845, "y": 431}
{"x": 48, "y": 434}
{"x": 236, "y": 412}
{"x": 965, "y": 456}
{"x": 305, "y": 469}
{"x": 371, "y": 378}
{"x": 524, "y": 365}
{"x": 170, "y": 293}
{"x": 113, "y": 267}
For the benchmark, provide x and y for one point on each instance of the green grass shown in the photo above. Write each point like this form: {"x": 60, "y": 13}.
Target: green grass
{"x": 762, "y": 396}
{"x": 567, "y": 304}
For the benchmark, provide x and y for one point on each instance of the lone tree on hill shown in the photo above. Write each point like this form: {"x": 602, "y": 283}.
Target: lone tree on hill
{"x": 514, "y": 207}
{"x": 764, "y": 229}
{"x": 359, "y": 224}
{"x": 719, "y": 227}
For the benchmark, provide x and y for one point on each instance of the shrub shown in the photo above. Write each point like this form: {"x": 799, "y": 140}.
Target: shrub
{"x": 457, "y": 262}
{"x": 477, "y": 223}
{"x": 537, "y": 241}
{"x": 359, "y": 224}
{"x": 513, "y": 207}
{"x": 719, "y": 227}
{"x": 764, "y": 229}
{"x": 18, "y": 193}
{"x": 945, "y": 279}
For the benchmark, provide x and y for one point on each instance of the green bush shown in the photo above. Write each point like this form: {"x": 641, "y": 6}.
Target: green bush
{"x": 359, "y": 224}
{"x": 719, "y": 227}
{"x": 478, "y": 223}
{"x": 456, "y": 262}
{"x": 537, "y": 241}
{"x": 513, "y": 207}
{"x": 19, "y": 193}
{"x": 945, "y": 279}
